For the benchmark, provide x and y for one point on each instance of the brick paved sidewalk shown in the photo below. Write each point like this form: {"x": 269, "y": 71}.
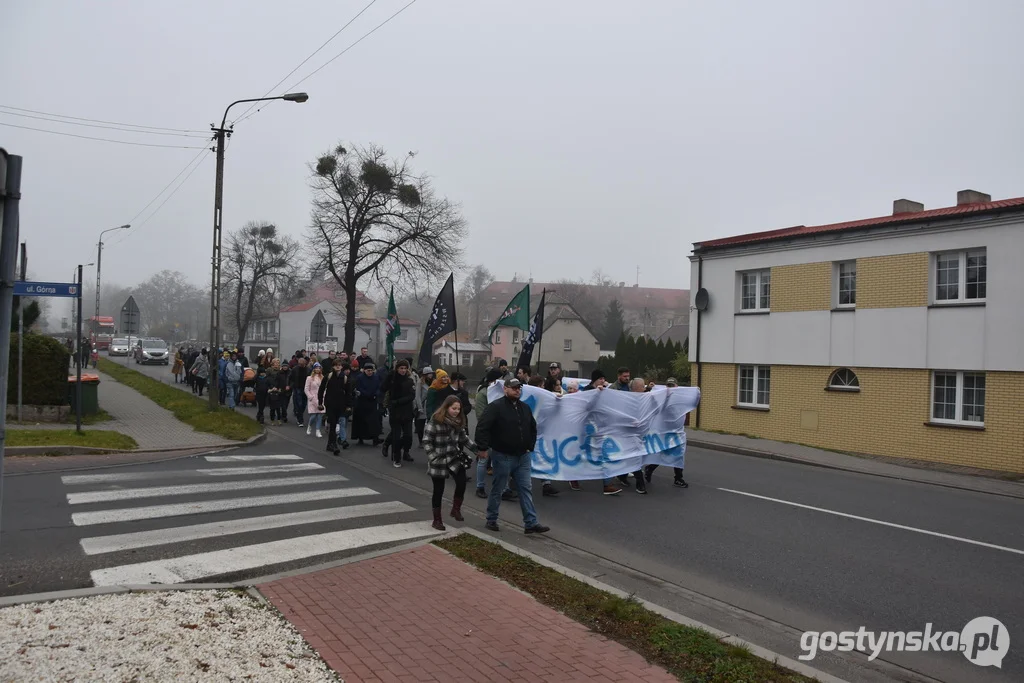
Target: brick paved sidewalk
{"x": 424, "y": 615}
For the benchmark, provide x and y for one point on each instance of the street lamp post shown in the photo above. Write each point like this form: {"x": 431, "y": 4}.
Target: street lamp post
{"x": 78, "y": 349}
{"x": 220, "y": 136}
{"x": 99, "y": 259}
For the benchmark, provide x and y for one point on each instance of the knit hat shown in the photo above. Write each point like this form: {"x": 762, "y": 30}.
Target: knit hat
{"x": 426, "y": 370}
{"x": 440, "y": 374}
{"x": 596, "y": 375}
{"x": 317, "y": 365}
{"x": 262, "y": 353}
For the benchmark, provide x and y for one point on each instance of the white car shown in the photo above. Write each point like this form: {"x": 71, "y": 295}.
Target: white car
{"x": 118, "y": 347}
{"x": 152, "y": 351}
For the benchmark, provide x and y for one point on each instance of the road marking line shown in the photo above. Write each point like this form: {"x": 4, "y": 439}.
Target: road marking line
{"x": 231, "y": 560}
{"x": 188, "y": 489}
{"x": 201, "y": 507}
{"x": 76, "y": 479}
{"x": 235, "y": 458}
{"x": 878, "y": 521}
{"x": 143, "y": 539}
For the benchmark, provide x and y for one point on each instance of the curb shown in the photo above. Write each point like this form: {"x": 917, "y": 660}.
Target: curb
{"x": 763, "y": 653}
{"x": 86, "y": 450}
{"x": 768, "y": 455}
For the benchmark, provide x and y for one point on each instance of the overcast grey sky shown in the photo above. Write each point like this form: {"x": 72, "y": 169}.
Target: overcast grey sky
{"x": 576, "y": 134}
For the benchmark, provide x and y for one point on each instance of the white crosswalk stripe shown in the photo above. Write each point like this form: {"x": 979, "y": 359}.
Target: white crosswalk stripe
{"x": 177, "y": 551}
{"x": 191, "y": 489}
{"x": 77, "y": 479}
{"x": 143, "y": 539}
{"x": 204, "y": 506}
{"x": 246, "y": 458}
{"x": 191, "y": 567}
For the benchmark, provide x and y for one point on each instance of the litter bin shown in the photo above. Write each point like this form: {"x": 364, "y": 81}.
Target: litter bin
{"x": 90, "y": 393}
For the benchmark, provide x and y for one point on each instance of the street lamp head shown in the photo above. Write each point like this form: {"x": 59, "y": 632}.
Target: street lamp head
{"x": 295, "y": 97}
{"x": 125, "y": 226}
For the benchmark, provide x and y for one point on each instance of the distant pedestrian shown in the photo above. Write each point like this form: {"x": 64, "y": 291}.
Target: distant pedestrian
{"x": 401, "y": 390}
{"x": 201, "y": 370}
{"x": 677, "y": 479}
{"x": 425, "y": 378}
{"x": 366, "y": 415}
{"x": 508, "y": 429}
{"x": 278, "y": 379}
{"x": 178, "y": 369}
{"x": 297, "y": 380}
{"x": 335, "y": 397}
{"x": 311, "y": 393}
{"x": 261, "y": 387}
{"x": 444, "y": 440}
{"x": 484, "y": 464}
{"x": 364, "y": 358}
{"x": 233, "y": 372}
{"x": 437, "y": 392}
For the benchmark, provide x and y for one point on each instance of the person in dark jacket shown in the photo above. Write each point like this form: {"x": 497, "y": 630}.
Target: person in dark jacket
{"x": 364, "y": 358}
{"x": 508, "y": 429}
{"x": 401, "y": 410}
{"x": 297, "y": 381}
{"x": 366, "y": 413}
{"x": 278, "y": 379}
{"x": 335, "y": 395}
{"x": 261, "y": 387}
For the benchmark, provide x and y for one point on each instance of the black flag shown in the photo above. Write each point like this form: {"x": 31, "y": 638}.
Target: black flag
{"x": 441, "y": 320}
{"x": 533, "y": 335}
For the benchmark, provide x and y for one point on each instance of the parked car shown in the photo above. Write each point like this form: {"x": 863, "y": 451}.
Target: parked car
{"x": 118, "y": 347}
{"x": 152, "y": 351}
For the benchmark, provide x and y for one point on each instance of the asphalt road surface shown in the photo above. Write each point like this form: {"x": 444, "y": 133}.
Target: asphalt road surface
{"x": 787, "y": 547}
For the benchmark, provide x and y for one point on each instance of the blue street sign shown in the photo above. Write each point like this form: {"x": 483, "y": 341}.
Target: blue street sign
{"x": 66, "y": 289}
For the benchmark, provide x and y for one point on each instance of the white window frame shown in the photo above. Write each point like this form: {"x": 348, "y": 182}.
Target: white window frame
{"x": 487, "y": 316}
{"x": 762, "y": 278}
{"x": 760, "y": 372}
{"x": 467, "y": 359}
{"x": 515, "y": 336}
{"x": 497, "y": 336}
{"x": 962, "y": 256}
{"x": 837, "y": 281}
{"x": 567, "y": 344}
{"x": 959, "y": 410}
{"x": 330, "y": 329}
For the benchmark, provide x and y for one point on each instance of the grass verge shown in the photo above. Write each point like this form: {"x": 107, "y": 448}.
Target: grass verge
{"x": 191, "y": 410}
{"x": 690, "y": 654}
{"x": 101, "y": 416}
{"x": 92, "y": 438}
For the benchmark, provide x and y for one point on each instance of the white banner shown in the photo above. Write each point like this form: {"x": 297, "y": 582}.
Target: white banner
{"x": 604, "y": 433}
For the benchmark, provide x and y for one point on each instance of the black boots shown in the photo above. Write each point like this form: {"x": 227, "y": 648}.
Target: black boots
{"x": 456, "y": 512}
{"x": 438, "y": 524}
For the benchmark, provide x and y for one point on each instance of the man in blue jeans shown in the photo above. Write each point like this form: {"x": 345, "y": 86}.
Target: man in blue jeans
{"x": 508, "y": 428}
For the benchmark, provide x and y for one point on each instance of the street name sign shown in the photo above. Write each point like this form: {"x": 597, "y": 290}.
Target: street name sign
{"x": 65, "y": 289}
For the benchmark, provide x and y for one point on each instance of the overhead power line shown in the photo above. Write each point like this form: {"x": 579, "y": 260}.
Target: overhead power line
{"x": 112, "y": 123}
{"x": 89, "y": 137}
{"x": 99, "y": 125}
{"x": 322, "y": 66}
{"x": 313, "y": 54}
{"x": 194, "y": 164}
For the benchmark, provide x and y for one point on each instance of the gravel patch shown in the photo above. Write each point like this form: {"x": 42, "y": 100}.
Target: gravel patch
{"x": 202, "y": 635}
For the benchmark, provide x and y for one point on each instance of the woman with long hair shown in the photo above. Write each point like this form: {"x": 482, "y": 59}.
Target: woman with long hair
{"x": 313, "y": 407}
{"x": 444, "y": 440}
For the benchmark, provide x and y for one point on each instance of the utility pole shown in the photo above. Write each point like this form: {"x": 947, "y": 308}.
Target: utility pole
{"x": 99, "y": 257}
{"x": 10, "y": 198}
{"x": 21, "y": 328}
{"x": 78, "y": 380}
{"x": 220, "y": 136}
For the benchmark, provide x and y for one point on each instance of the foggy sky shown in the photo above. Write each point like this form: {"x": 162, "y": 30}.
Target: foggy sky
{"x": 576, "y": 134}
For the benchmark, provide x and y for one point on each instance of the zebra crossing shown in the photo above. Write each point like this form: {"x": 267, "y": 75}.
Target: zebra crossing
{"x": 226, "y": 515}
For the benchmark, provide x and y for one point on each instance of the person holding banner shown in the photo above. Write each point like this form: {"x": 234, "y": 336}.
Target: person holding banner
{"x": 508, "y": 429}
{"x": 444, "y": 439}
{"x": 676, "y": 471}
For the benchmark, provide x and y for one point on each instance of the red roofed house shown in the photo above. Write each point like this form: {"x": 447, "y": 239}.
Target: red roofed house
{"x": 886, "y": 336}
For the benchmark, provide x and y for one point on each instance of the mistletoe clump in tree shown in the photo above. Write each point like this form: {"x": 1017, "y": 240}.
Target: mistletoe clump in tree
{"x": 374, "y": 218}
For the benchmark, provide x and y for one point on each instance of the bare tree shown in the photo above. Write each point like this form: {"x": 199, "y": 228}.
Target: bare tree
{"x": 373, "y": 217}
{"x": 473, "y": 290}
{"x": 260, "y": 262}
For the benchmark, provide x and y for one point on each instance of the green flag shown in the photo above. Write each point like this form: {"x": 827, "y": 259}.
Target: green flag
{"x": 393, "y": 329}
{"x": 516, "y": 314}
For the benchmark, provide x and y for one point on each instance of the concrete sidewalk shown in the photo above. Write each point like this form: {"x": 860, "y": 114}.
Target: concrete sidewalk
{"x": 927, "y": 473}
{"x": 423, "y": 615}
{"x": 152, "y": 427}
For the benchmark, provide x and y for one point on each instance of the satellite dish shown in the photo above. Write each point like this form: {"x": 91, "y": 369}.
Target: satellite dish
{"x": 701, "y": 300}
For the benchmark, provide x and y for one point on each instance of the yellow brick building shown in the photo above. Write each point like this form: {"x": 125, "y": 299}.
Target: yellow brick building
{"x": 900, "y": 336}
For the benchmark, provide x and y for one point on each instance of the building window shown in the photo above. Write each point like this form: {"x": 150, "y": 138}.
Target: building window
{"x": 497, "y": 336}
{"x": 755, "y": 290}
{"x": 466, "y": 359}
{"x": 515, "y": 336}
{"x": 330, "y": 329}
{"x": 754, "y": 385}
{"x": 846, "y": 284}
{"x": 958, "y": 397}
{"x": 843, "y": 379}
{"x": 960, "y": 276}
{"x": 487, "y": 316}
{"x": 567, "y": 345}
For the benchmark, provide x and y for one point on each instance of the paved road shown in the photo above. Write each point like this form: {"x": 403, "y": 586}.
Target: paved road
{"x": 792, "y": 547}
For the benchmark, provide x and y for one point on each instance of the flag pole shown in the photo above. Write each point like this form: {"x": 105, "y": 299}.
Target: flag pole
{"x": 540, "y": 336}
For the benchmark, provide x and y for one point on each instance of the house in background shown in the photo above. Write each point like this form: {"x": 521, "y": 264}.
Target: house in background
{"x": 567, "y": 340}
{"x": 886, "y": 336}
{"x": 648, "y": 311}
{"x": 450, "y": 355}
